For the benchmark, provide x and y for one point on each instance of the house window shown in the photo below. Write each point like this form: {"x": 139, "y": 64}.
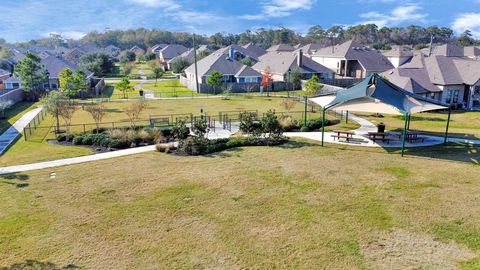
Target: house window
{"x": 432, "y": 95}
{"x": 452, "y": 96}
{"x": 15, "y": 85}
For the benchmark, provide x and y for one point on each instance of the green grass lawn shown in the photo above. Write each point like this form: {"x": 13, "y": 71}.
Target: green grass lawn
{"x": 170, "y": 88}
{"x": 462, "y": 124}
{"x": 296, "y": 206}
{"x": 15, "y": 113}
{"x": 37, "y": 149}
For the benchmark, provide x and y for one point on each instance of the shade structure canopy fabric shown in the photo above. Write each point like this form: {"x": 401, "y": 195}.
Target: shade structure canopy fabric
{"x": 375, "y": 94}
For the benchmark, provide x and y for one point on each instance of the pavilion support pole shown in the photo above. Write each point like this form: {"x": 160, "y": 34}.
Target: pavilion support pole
{"x": 409, "y": 118}
{"x": 305, "y": 99}
{"x": 323, "y": 124}
{"x": 346, "y": 118}
{"x": 448, "y": 125}
{"x": 404, "y": 135}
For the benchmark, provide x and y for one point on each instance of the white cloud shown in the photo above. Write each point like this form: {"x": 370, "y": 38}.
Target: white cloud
{"x": 279, "y": 8}
{"x": 167, "y": 4}
{"x": 66, "y": 35}
{"x": 405, "y": 13}
{"x": 467, "y": 21}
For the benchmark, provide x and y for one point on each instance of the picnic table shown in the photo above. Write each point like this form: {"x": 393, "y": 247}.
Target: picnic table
{"x": 378, "y": 135}
{"x": 347, "y": 135}
{"x": 412, "y": 136}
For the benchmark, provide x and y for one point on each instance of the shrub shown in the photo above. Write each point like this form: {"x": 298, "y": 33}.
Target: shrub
{"x": 194, "y": 146}
{"x": 116, "y": 134}
{"x": 61, "y": 137}
{"x": 271, "y": 126}
{"x": 304, "y": 129}
{"x": 118, "y": 144}
{"x": 314, "y": 124}
{"x": 78, "y": 140}
{"x": 236, "y": 141}
{"x": 288, "y": 123}
{"x": 161, "y": 147}
{"x": 99, "y": 130}
{"x": 130, "y": 136}
{"x": 144, "y": 136}
{"x": 180, "y": 131}
{"x": 167, "y": 132}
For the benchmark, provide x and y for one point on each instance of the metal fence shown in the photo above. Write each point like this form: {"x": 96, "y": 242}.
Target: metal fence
{"x": 34, "y": 124}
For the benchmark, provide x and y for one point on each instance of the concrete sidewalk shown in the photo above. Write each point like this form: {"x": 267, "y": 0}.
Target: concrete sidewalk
{"x": 11, "y": 134}
{"x": 75, "y": 160}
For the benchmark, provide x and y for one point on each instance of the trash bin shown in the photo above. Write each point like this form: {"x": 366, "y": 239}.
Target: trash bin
{"x": 381, "y": 128}
{"x": 141, "y": 93}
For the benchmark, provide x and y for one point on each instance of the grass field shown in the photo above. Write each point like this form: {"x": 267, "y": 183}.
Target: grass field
{"x": 14, "y": 113}
{"x": 37, "y": 149}
{"x": 295, "y": 206}
{"x": 170, "y": 88}
{"x": 462, "y": 124}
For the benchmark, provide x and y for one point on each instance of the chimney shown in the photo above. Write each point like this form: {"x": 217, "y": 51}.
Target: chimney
{"x": 231, "y": 54}
{"x": 300, "y": 58}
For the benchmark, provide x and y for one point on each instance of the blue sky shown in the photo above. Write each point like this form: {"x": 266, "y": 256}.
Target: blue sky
{"x": 27, "y": 19}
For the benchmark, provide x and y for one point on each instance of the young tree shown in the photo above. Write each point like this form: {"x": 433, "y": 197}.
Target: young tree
{"x": 52, "y": 103}
{"x": 247, "y": 123}
{"x": 31, "y": 73}
{"x": 124, "y": 86}
{"x": 157, "y": 72}
{"x": 250, "y": 87}
{"x": 312, "y": 86}
{"x": 288, "y": 104}
{"x": 227, "y": 89}
{"x": 127, "y": 68}
{"x": 97, "y": 111}
{"x": 267, "y": 79}
{"x": 296, "y": 78}
{"x": 134, "y": 111}
{"x": 215, "y": 80}
{"x": 271, "y": 126}
{"x": 66, "y": 112}
{"x": 66, "y": 82}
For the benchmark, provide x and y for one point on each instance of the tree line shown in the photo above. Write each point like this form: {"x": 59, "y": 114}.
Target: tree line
{"x": 366, "y": 34}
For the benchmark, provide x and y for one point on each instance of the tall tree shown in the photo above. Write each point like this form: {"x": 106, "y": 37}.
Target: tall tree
{"x": 124, "y": 86}
{"x": 157, "y": 72}
{"x": 215, "y": 80}
{"x": 32, "y": 74}
{"x": 66, "y": 82}
{"x": 80, "y": 82}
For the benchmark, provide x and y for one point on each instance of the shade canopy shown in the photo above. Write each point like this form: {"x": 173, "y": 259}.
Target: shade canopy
{"x": 375, "y": 94}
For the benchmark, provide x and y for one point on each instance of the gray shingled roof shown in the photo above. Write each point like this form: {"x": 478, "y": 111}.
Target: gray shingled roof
{"x": 189, "y": 55}
{"x": 281, "y": 62}
{"x": 472, "y": 51}
{"x": 311, "y": 48}
{"x": 398, "y": 52}
{"x": 172, "y": 51}
{"x": 222, "y": 63}
{"x": 239, "y": 49}
{"x": 4, "y": 72}
{"x": 370, "y": 59}
{"x": 281, "y": 48}
{"x": 254, "y": 50}
{"x": 422, "y": 73}
{"x": 56, "y": 64}
{"x": 451, "y": 50}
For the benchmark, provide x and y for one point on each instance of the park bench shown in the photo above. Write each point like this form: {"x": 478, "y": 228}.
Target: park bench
{"x": 159, "y": 122}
